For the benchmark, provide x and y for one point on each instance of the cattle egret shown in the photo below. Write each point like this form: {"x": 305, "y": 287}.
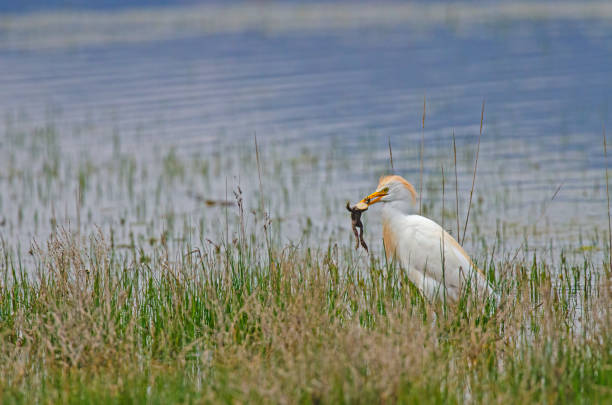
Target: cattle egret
{"x": 432, "y": 258}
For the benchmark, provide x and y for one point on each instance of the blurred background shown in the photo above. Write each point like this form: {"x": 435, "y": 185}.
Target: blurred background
{"x": 140, "y": 117}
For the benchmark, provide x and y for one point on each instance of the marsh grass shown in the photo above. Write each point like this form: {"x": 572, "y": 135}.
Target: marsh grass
{"x": 151, "y": 295}
{"x": 243, "y": 323}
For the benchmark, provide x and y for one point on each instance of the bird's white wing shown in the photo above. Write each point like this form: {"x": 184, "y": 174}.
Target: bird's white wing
{"x": 432, "y": 257}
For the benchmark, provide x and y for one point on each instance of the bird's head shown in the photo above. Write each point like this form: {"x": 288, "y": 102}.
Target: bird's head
{"x": 391, "y": 189}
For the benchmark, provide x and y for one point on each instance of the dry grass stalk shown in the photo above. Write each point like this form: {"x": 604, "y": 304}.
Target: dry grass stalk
{"x": 608, "y": 196}
{"x": 422, "y": 151}
{"x": 456, "y": 186}
{"x": 467, "y": 217}
{"x": 391, "y": 156}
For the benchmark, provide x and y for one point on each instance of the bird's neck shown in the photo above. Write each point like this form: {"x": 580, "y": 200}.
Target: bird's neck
{"x": 396, "y": 208}
{"x": 391, "y": 213}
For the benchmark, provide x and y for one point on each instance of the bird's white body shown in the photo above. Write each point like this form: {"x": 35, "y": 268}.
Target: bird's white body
{"x": 433, "y": 259}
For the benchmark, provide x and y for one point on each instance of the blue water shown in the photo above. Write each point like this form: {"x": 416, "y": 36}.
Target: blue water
{"x": 24, "y": 6}
{"x": 540, "y": 81}
{"x": 545, "y": 82}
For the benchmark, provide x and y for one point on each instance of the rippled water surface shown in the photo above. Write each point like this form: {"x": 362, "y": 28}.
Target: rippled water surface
{"x": 129, "y": 119}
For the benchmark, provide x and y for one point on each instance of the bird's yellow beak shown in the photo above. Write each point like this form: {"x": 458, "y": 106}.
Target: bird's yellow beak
{"x": 374, "y": 197}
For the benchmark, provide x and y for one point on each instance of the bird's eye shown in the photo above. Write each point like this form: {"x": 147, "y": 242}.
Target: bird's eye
{"x": 385, "y": 190}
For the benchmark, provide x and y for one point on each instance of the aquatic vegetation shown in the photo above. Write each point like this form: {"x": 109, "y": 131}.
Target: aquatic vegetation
{"x": 239, "y": 322}
{"x": 150, "y": 300}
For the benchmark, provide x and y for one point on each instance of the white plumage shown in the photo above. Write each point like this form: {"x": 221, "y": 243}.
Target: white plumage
{"x": 431, "y": 257}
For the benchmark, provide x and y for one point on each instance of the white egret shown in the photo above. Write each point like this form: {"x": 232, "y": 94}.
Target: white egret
{"x": 431, "y": 257}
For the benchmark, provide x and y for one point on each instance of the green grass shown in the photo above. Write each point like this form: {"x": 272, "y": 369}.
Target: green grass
{"x": 241, "y": 324}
